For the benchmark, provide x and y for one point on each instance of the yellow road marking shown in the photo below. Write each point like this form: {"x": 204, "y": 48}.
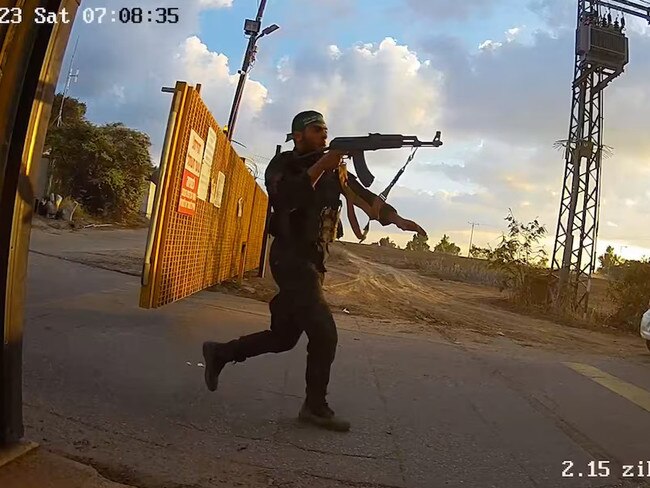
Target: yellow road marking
{"x": 631, "y": 392}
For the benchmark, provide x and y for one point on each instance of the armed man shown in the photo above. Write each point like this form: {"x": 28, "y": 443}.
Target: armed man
{"x": 304, "y": 187}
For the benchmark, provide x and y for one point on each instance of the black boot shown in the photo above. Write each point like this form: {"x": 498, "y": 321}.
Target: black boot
{"x": 323, "y": 416}
{"x": 216, "y": 356}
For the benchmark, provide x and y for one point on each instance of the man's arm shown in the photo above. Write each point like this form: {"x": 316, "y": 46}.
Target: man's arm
{"x": 352, "y": 218}
{"x": 354, "y": 194}
{"x": 377, "y": 209}
{"x": 290, "y": 187}
{"x": 363, "y": 198}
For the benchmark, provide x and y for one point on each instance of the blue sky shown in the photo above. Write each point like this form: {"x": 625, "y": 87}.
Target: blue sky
{"x": 367, "y": 22}
{"x": 410, "y": 66}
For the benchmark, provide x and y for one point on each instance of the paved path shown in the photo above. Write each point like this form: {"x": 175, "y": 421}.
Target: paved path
{"x": 121, "y": 388}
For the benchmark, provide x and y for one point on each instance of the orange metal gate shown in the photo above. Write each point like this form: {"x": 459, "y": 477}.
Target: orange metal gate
{"x": 209, "y": 212}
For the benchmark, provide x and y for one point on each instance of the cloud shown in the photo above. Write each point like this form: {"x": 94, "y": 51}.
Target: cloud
{"x": 215, "y": 3}
{"x": 452, "y": 9}
{"x": 123, "y": 67}
{"x": 513, "y": 33}
{"x": 558, "y": 14}
{"x": 516, "y": 98}
{"x": 343, "y": 83}
{"x": 510, "y": 36}
{"x": 197, "y": 64}
{"x": 489, "y": 45}
{"x": 500, "y": 109}
{"x": 509, "y": 91}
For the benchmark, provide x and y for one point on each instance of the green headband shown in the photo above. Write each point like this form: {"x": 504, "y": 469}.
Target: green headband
{"x": 303, "y": 120}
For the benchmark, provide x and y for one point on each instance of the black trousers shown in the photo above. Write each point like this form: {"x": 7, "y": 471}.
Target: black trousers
{"x": 298, "y": 307}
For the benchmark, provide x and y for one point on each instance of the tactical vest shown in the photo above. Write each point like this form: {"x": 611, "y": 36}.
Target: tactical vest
{"x": 315, "y": 221}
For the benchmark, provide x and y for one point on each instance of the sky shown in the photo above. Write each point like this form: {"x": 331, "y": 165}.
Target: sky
{"x": 494, "y": 76}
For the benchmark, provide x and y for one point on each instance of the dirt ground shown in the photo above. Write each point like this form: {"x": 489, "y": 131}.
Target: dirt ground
{"x": 400, "y": 293}
{"x": 359, "y": 283}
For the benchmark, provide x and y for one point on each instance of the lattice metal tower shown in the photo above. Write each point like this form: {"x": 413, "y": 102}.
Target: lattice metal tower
{"x": 601, "y": 55}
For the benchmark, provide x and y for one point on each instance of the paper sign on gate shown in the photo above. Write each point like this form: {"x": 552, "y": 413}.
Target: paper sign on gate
{"x": 194, "y": 154}
{"x": 217, "y": 190}
{"x": 206, "y": 168}
{"x": 210, "y": 147}
{"x": 187, "y": 202}
{"x": 213, "y": 192}
{"x": 204, "y": 182}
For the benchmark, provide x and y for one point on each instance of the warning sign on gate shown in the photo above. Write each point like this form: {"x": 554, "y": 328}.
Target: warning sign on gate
{"x": 187, "y": 202}
{"x": 191, "y": 175}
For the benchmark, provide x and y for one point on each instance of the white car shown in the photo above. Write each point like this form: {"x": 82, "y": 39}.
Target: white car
{"x": 645, "y": 328}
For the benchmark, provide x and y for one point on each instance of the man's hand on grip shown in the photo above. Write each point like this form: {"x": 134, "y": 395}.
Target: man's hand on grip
{"x": 331, "y": 160}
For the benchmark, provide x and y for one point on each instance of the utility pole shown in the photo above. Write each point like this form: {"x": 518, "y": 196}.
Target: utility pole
{"x": 59, "y": 118}
{"x": 471, "y": 238}
{"x": 71, "y": 77}
{"x": 601, "y": 54}
{"x": 251, "y": 29}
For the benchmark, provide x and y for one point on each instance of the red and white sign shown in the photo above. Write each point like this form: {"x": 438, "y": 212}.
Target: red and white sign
{"x": 187, "y": 202}
{"x": 191, "y": 174}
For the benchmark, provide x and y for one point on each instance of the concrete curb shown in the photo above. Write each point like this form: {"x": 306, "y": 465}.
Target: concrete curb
{"x": 40, "y": 468}
{"x": 11, "y": 453}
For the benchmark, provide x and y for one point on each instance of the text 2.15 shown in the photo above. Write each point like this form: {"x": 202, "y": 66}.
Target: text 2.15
{"x": 601, "y": 469}
{"x": 133, "y": 15}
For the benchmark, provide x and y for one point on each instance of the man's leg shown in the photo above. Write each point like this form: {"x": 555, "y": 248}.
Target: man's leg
{"x": 320, "y": 327}
{"x": 321, "y": 351}
{"x": 283, "y": 334}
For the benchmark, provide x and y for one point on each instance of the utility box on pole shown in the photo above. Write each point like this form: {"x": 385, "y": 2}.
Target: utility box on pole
{"x": 603, "y": 46}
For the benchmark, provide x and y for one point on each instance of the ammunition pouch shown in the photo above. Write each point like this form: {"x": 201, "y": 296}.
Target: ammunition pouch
{"x": 329, "y": 224}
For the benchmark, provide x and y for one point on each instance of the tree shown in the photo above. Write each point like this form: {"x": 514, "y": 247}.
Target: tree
{"x": 418, "y": 243}
{"x": 103, "y": 167}
{"x": 519, "y": 255}
{"x": 609, "y": 260}
{"x": 521, "y": 245}
{"x": 74, "y": 111}
{"x": 386, "y": 242}
{"x": 445, "y": 246}
{"x": 480, "y": 252}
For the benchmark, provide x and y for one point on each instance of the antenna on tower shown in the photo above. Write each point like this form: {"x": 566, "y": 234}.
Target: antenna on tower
{"x": 72, "y": 76}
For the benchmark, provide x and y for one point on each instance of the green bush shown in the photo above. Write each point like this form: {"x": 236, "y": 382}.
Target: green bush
{"x": 629, "y": 291}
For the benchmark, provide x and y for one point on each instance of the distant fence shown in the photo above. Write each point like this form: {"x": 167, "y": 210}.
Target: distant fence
{"x": 208, "y": 215}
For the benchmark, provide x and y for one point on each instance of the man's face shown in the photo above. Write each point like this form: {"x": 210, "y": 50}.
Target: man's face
{"x": 314, "y": 137}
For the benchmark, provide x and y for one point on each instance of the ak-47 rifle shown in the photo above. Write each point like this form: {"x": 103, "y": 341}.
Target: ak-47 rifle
{"x": 355, "y": 147}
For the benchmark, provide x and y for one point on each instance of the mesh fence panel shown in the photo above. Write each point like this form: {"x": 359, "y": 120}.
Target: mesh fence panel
{"x": 190, "y": 253}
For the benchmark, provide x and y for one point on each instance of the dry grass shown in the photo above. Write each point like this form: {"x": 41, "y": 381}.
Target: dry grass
{"x": 478, "y": 271}
{"x": 454, "y": 297}
{"x": 437, "y": 265}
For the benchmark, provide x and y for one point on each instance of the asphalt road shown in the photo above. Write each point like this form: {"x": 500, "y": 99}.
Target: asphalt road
{"x": 121, "y": 388}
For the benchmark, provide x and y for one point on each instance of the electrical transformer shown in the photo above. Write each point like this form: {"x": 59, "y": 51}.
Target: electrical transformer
{"x": 605, "y": 46}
